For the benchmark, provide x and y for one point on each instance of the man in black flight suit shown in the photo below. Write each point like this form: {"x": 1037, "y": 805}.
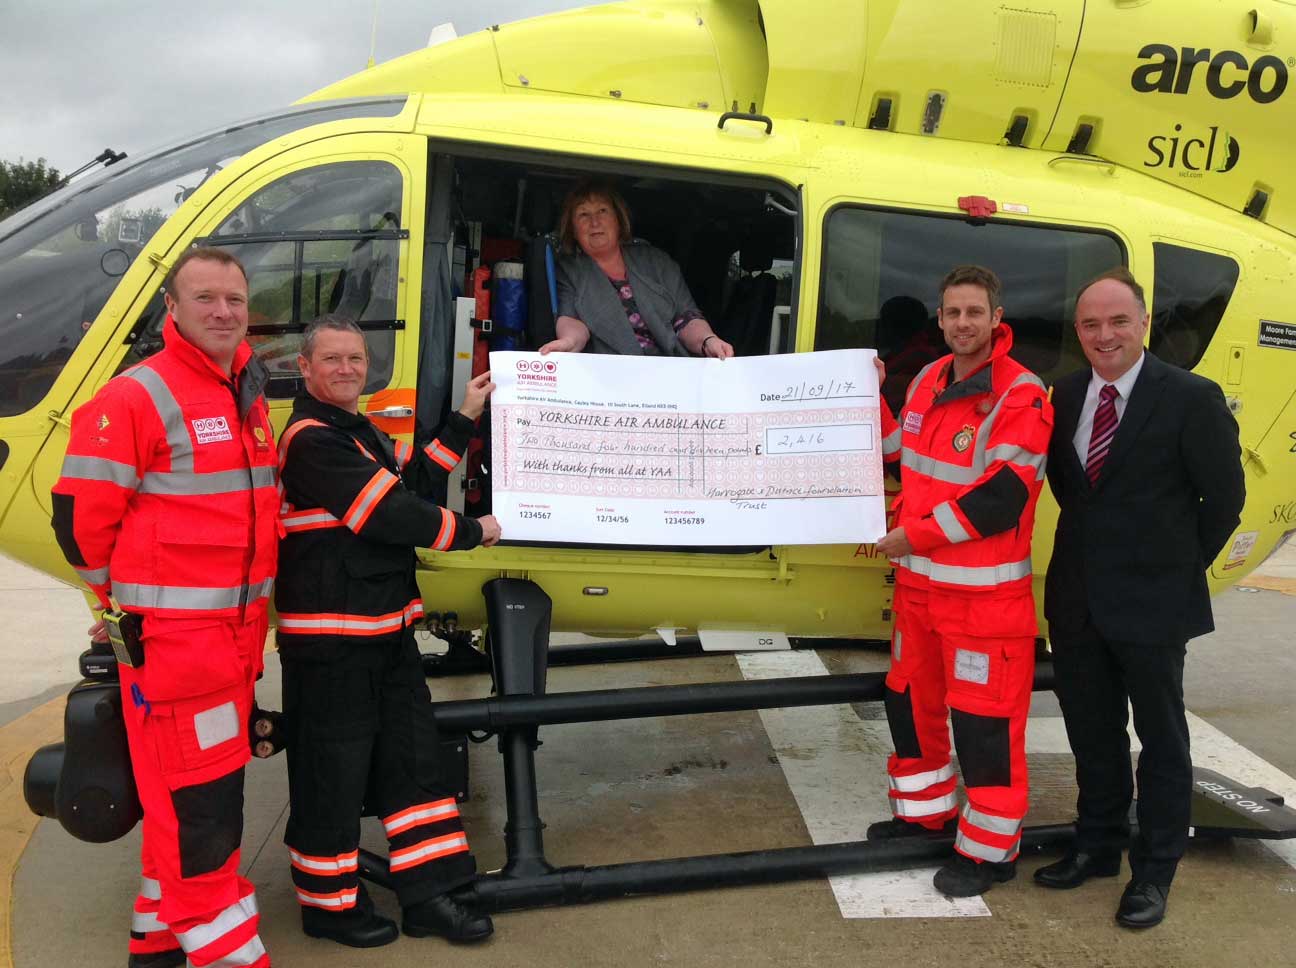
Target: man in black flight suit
{"x": 356, "y": 703}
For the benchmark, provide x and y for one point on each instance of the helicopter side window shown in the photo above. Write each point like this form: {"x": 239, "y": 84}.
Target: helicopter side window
{"x": 62, "y": 256}
{"x": 1190, "y": 293}
{"x": 323, "y": 240}
{"x": 882, "y": 272}
{"x": 56, "y": 288}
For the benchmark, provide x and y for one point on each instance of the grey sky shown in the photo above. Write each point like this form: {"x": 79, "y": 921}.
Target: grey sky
{"x": 82, "y": 75}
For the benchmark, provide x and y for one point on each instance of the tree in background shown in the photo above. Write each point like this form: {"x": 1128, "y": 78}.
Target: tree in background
{"x": 24, "y": 181}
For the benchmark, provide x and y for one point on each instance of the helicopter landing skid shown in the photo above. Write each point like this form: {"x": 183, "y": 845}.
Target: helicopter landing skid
{"x": 519, "y": 613}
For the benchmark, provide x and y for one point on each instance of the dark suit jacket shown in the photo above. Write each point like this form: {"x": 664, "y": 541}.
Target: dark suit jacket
{"x": 1132, "y": 551}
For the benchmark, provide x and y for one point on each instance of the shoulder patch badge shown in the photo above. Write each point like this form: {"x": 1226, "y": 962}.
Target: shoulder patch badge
{"x": 963, "y": 439}
{"x": 103, "y": 421}
{"x": 913, "y": 422}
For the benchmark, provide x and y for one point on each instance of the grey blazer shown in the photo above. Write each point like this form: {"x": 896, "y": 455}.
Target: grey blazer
{"x": 660, "y": 293}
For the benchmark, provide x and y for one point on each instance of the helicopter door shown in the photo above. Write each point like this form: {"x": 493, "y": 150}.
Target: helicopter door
{"x": 328, "y": 227}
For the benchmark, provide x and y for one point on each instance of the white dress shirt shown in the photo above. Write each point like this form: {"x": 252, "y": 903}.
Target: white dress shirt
{"x": 1084, "y": 428}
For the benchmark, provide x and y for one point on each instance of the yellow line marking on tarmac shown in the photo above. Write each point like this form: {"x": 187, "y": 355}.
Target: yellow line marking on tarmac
{"x": 18, "y": 741}
{"x": 1285, "y": 585}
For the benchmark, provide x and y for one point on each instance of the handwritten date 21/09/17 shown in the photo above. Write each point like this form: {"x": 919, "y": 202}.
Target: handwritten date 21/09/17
{"x": 823, "y": 390}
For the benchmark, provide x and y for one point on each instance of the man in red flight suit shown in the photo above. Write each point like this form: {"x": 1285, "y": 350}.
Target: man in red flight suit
{"x": 167, "y": 503}
{"x": 360, "y": 730}
{"x": 972, "y": 439}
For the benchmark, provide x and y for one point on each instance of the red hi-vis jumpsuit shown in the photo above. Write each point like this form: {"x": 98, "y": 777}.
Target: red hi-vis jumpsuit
{"x": 972, "y": 458}
{"x": 167, "y": 502}
{"x": 357, "y": 705}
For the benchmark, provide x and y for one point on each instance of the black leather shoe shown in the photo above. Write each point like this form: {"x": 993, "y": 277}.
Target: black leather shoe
{"x": 965, "y": 877}
{"x": 896, "y": 828}
{"x": 1076, "y": 868}
{"x": 1142, "y": 905}
{"x": 171, "y": 958}
{"x": 446, "y": 918}
{"x": 368, "y": 930}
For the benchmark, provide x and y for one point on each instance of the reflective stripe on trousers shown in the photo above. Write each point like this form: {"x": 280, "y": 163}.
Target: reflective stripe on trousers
{"x": 996, "y": 825}
{"x": 917, "y": 782}
{"x": 200, "y": 936}
{"x": 921, "y": 809}
{"x": 995, "y": 855}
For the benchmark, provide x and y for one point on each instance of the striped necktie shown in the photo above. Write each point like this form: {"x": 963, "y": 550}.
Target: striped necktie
{"x": 1104, "y": 429}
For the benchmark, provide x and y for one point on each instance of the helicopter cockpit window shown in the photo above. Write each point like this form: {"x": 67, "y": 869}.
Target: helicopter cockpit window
{"x": 62, "y": 256}
{"x": 321, "y": 240}
{"x": 882, "y": 272}
{"x": 1191, "y": 291}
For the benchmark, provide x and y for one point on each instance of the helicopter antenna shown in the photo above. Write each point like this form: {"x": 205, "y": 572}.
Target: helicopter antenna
{"x": 373, "y": 35}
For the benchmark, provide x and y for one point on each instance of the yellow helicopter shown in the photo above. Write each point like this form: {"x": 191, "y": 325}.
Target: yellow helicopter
{"x": 814, "y": 168}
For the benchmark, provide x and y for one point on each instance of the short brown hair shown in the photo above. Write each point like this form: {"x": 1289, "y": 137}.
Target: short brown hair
{"x": 583, "y": 191}
{"x": 205, "y": 254}
{"x": 974, "y": 276}
{"x": 1124, "y": 277}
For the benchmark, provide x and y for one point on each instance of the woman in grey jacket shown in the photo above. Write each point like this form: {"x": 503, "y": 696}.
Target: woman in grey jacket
{"x": 616, "y": 295}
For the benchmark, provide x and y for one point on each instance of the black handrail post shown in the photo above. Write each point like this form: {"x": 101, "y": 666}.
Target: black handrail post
{"x": 518, "y": 613}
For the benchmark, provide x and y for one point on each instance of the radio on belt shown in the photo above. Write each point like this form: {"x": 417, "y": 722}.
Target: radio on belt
{"x": 124, "y": 630}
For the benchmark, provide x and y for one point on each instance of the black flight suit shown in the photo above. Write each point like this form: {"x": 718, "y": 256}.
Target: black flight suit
{"x": 355, "y": 700}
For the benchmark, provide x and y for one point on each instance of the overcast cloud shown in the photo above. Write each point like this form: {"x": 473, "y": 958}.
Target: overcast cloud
{"x": 82, "y": 75}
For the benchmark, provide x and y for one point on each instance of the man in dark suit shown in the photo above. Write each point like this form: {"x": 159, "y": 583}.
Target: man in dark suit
{"x": 1146, "y": 467}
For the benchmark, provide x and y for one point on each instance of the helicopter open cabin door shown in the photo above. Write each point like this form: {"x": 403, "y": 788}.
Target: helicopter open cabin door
{"x": 334, "y": 226}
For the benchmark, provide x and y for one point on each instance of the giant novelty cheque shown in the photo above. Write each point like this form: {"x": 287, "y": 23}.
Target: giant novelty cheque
{"x": 663, "y": 451}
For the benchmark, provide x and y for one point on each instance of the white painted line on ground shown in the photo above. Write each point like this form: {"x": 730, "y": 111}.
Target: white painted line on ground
{"x": 1211, "y": 749}
{"x": 835, "y": 765}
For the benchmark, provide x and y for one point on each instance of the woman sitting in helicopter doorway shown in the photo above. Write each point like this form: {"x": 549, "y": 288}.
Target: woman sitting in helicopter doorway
{"x": 618, "y": 295}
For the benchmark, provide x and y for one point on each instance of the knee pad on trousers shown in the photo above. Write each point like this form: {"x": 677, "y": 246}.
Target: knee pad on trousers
{"x": 899, "y": 711}
{"x": 86, "y": 781}
{"x": 984, "y": 749}
{"x": 210, "y": 817}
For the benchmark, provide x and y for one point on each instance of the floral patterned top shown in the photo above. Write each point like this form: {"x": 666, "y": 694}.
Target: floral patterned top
{"x": 646, "y": 342}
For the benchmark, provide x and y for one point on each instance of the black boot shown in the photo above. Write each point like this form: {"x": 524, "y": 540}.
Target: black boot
{"x": 360, "y": 927}
{"x": 171, "y": 958}
{"x": 446, "y": 918}
{"x": 965, "y": 877}
{"x": 895, "y": 828}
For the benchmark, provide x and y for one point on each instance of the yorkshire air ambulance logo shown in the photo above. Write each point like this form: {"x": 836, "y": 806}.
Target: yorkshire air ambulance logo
{"x": 211, "y": 430}
{"x": 963, "y": 439}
